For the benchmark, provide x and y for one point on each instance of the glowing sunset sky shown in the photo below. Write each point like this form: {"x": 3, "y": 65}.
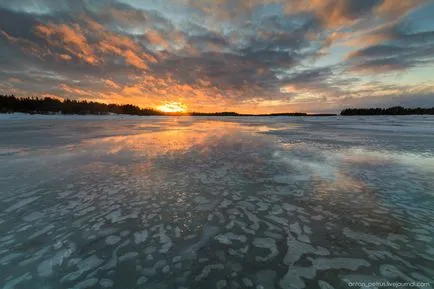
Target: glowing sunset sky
{"x": 224, "y": 55}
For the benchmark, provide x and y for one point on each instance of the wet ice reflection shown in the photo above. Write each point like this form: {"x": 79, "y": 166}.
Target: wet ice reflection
{"x": 214, "y": 203}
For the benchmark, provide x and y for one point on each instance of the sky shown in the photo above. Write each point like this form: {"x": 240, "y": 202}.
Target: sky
{"x": 248, "y": 56}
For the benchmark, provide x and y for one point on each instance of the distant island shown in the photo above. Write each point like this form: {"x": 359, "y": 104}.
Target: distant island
{"x": 396, "y": 110}
{"x": 47, "y": 105}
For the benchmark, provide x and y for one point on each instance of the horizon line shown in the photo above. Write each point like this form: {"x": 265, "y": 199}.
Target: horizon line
{"x": 133, "y": 109}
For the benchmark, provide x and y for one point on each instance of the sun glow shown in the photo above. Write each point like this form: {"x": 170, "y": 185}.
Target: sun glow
{"x": 173, "y": 107}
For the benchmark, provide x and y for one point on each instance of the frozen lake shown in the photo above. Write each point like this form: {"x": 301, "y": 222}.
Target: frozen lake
{"x": 158, "y": 202}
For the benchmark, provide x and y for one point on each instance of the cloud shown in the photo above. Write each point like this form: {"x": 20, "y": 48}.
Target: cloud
{"x": 402, "y": 49}
{"x": 395, "y": 9}
{"x": 259, "y": 54}
{"x": 135, "y": 60}
{"x": 111, "y": 84}
{"x": 70, "y": 39}
{"x": 341, "y": 12}
{"x": 308, "y": 76}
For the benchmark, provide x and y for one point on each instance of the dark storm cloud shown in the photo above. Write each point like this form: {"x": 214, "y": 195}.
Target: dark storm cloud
{"x": 309, "y": 76}
{"x": 231, "y": 67}
{"x": 381, "y": 50}
{"x": 124, "y": 18}
{"x": 337, "y": 12}
{"x": 18, "y": 24}
{"x": 401, "y": 49}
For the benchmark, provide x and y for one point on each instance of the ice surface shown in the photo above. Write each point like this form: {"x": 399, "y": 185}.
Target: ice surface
{"x": 159, "y": 202}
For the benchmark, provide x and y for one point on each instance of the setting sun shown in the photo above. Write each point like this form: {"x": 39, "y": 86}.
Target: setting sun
{"x": 173, "y": 107}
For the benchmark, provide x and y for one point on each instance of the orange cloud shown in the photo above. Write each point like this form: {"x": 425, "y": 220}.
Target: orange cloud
{"x": 120, "y": 45}
{"x": 134, "y": 60}
{"x": 69, "y": 38}
{"x": 74, "y": 90}
{"x": 133, "y": 90}
{"x": 107, "y": 47}
{"x": 156, "y": 39}
{"x": 111, "y": 83}
{"x": 73, "y": 39}
{"x": 65, "y": 57}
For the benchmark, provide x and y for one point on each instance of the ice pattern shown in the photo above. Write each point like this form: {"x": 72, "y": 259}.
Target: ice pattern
{"x": 215, "y": 202}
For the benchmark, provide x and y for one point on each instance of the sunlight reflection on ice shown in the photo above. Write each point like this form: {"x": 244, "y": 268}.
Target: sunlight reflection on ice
{"x": 212, "y": 202}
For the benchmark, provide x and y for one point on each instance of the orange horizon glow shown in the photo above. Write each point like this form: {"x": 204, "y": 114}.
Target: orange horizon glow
{"x": 173, "y": 106}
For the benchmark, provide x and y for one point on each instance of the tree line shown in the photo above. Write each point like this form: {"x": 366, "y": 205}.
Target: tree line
{"x": 47, "y": 105}
{"x": 396, "y": 110}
